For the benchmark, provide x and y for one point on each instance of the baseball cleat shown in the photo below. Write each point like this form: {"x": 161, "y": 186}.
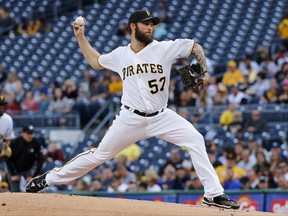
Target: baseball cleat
{"x": 37, "y": 183}
{"x": 222, "y": 201}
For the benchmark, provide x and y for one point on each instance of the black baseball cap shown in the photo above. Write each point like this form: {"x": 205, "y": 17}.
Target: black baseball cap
{"x": 2, "y": 100}
{"x": 141, "y": 16}
{"x": 28, "y": 129}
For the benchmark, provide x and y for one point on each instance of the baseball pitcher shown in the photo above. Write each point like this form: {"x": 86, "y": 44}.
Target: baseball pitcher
{"x": 144, "y": 66}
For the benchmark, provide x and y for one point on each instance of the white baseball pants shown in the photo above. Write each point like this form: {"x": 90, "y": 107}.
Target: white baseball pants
{"x": 129, "y": 128}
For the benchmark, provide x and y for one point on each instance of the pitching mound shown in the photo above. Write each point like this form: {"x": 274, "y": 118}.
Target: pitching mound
{"x": 58, "y": 204}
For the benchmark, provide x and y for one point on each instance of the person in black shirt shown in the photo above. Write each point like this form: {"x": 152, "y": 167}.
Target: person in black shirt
{"x": 26, "y": 159}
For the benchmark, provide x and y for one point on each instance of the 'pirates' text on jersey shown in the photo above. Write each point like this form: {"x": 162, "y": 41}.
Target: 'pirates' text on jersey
{"x": 146, "y": 74}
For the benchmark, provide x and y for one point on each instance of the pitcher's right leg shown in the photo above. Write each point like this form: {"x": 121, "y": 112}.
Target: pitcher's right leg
{"x": 123, "y": 132}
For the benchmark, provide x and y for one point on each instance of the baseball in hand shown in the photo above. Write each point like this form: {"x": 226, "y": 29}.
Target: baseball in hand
{"x": 79, "y": 20}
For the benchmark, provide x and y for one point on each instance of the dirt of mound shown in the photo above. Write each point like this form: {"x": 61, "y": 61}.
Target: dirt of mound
{"x": 42, "y": 204}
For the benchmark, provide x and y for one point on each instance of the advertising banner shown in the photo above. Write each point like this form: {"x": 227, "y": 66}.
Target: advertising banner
{"x": 277, "y": 203}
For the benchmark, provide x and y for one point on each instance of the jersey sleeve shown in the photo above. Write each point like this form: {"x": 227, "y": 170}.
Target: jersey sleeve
{"x": 111, "y": 60}
{"x": 179, "y": 48}
{"x": 9, "y": 133}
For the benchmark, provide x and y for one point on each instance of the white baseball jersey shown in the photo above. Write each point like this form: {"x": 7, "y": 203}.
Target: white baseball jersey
{"x": 146, "y": 74}
{"x": 6, "y": 127}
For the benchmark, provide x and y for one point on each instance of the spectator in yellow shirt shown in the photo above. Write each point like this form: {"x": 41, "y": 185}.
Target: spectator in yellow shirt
{"x": 115, "y": 86}
{"x": 283, "y": 32}
{"x": 232, "y": 75}
{"x": 230, "y": 165}
{"x": 226, "y": 116}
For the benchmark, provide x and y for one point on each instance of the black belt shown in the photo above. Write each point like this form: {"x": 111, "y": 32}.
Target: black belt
{"x": 143, "y": 113}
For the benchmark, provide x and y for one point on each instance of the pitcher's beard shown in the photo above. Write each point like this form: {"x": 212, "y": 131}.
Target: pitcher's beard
{"x": 142, "y": 37}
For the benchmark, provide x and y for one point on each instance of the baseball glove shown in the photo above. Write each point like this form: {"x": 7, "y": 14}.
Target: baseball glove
{"x": 5, "y": 151}
{"x": 192, "y": 76}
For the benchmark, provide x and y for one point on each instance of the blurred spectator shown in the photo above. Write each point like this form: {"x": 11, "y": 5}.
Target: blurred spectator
{"x": 115, "y": 186}
{"x": 7, "y": 23}
{"x": 182, "y": 176}
{"x": 187, "y": 98}
{"x": 194, "y": 183}
{"x": 239, "y": 147}
{"x": 245, "y": 84}
{"x": 272, "y": 93}
{"x": 142, "y": 186}
{"x": 162, "y": 12}
{"x": 283, "y": 96}
{"x": 14, "y": 85}
{"x": 115, "y": 85}
{"x": 221, "y": 96}
{"x": 81, "y": 185}
{"x": 263, "y": 183}
{"x": 249, "y": 67}
{"x": 233, "y": 75}
{"x": 261, "y": 163}
{"x": 230, "y": 181}
{"x": 282, "y": 183}
{"x": 276, "y": 155}
{"x": 201, "y": 115}
{"x": 168, "y": 178}
{"x": 3, "y": 75}
{"x": 37, "y": 88}
{"x": 252, "y": 75}
{"x": 152, "y": 179}
{"x": 98, "y": 91}
{"x": 12, "y": 107}
{"x": 70, "y": 90}
{"x": 33, "y": 27}
{"x": 96, "y": 185}
{"x": 85, "y": 83}
{"x": 60, "y": 104}
{"x": 160, "y": 32}
{"x": 123, "y": 172}
{"x": 231, "y": 164}
{"x": 236, "y": 96}
{"x": 280, "y": 175}
{"x": 44, "y": 27}
{"x": 226, "y": 116}
{"x": 54, "y": 154}
{"x": 120, "y": 160}
{"x": 256, "y": 124}
{"x": 246, "y": 162}
{"x": 282, "y": 73}
{"x": 212, "y": 87}
{"x": 133, "y": 186}
{"x": 260, "y": 86}
{"x": 51, "y": 90}
{"x": 106, "y": 177}
{"x": 174, "y": 160}
{"x": 213, "y": 158}
{"x": 283, "y": 32}
{"x": 29, "y": 103}
{"x": 253, "y": 178}
{"x": 236, "y": 127}
{"x": 261, "y": 54}
{"x": 123, "y": 29}
{"x": 26, "y": 160}
{"x": 268, "y": 66}
{"x": 44, "y": 102}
